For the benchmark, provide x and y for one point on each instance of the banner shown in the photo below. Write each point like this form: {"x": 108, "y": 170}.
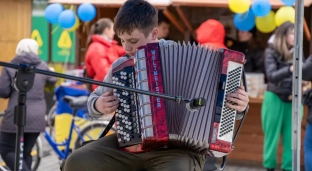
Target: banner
{"x": 40, "y": 34}
{"x": 63, "y": 45}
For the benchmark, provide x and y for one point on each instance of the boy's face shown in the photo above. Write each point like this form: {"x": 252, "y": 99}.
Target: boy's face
{"x": 131, "y": 42}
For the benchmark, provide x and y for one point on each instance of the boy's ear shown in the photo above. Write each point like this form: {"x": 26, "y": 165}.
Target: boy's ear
{"x": 155, "y": 34}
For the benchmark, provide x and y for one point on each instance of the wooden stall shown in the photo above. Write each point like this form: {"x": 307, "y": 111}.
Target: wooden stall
{"x": 249, "y": 144}
{"x": 14, "y": 27}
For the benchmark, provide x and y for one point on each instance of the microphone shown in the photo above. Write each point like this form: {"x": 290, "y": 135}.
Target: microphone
{"x": 194, "y": 104}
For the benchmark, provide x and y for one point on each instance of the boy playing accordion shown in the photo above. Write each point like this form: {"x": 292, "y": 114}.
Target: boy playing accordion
{"x": 136, "y": 25}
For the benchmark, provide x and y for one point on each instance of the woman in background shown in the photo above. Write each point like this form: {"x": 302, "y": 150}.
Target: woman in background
{"x": 277, "y": 106}
{"x": 26, "y": 52}
{"x": 102, "y": 50}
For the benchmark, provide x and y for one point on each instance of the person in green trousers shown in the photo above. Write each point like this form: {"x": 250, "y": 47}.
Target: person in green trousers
{"x": 276, "y": 111}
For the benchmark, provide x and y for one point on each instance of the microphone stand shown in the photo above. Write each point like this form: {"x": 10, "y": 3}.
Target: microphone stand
{"x": 24, "y": 81}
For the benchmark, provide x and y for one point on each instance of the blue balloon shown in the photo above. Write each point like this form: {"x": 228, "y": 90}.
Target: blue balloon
{"x": 244, "y": 21}
{"x": 67, "y": 19}
{"x": 86, "y": 12}
{"x": 261, "y": 8}
{"x": 289, "y": 2}
{"x": 52, "y": 12}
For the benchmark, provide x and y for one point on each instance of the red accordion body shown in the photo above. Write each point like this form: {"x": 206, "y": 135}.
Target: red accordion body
{"x": 156, "y": 126}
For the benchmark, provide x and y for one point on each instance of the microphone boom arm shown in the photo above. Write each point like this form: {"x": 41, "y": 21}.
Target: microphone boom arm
{"x": 90, "y": 81}
{"x": 24, "y": 80}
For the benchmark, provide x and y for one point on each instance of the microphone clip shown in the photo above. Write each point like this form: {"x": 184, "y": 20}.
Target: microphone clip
{"x": 196, "y": 103}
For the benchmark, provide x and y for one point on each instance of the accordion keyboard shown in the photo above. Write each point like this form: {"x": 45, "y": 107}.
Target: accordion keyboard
{"x": 127, "y": 119}
{"x": 228, "y": 115}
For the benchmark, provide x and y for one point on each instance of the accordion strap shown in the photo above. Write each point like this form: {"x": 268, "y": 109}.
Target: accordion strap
{"x": 108, "y": 127}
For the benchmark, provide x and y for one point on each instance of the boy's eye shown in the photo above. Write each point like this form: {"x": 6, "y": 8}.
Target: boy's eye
{"x": 133, "y": 42}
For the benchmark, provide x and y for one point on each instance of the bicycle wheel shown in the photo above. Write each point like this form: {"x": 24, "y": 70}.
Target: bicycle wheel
{"x": 92, "y": 132}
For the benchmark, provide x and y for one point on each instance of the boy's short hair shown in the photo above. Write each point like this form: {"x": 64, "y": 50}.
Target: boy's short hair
{"x": 136, "y": 14}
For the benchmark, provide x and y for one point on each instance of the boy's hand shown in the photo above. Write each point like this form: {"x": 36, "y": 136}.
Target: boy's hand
{"x": 239, "y": 98}
{"x": 107, "y": 103}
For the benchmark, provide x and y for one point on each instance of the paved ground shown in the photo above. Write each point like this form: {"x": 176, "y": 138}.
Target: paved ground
{"x": 51, "y": 162}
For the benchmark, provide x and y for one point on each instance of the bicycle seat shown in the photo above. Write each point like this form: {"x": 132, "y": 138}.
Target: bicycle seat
{"x": 76, "y": 101}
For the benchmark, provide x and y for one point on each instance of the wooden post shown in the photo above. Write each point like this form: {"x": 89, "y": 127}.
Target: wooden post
{"x": 173, "y": 20}
{"x": 186, "y": 21}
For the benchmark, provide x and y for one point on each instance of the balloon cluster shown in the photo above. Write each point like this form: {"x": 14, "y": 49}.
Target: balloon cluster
{"x": 260, "y": 14}
{"x": 67, "y": 18}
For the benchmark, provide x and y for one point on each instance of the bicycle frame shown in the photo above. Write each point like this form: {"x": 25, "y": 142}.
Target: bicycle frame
{"x": 63, "y": 155}
{"x": 54, "y": 145}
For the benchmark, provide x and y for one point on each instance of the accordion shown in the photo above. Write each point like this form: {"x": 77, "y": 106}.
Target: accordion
{"x": 146, "y": 123}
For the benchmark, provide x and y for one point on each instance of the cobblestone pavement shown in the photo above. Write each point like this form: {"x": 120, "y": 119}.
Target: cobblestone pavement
{"x": 51, "y": 162}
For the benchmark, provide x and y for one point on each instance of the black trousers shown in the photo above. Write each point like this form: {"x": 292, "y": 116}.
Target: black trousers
{"x": 104, "y": 155}
{"x": 7, "y": 149}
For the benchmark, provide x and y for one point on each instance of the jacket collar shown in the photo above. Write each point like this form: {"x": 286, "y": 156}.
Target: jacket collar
{"x": 102, "y": 40}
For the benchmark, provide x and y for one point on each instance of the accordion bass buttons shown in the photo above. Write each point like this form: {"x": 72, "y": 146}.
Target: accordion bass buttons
{"x": 127, "y": 126}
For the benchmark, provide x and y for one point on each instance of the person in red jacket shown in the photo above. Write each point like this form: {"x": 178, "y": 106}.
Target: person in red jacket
{"x": 102, "y": 50}
{"x": 212, "y": 33}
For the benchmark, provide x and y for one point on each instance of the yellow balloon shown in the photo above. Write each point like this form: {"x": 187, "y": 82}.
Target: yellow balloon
{"x": 285, "y": 13}
{"x": 239, "y": 6}
{"x": 266, "y": 24}
{"x": 77, "y": 24}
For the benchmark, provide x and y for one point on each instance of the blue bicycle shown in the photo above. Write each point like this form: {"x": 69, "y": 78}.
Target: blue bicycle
{"x": 85, "y": 128}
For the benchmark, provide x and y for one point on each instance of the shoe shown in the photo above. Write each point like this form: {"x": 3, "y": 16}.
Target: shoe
{"x": 270, "y": 169}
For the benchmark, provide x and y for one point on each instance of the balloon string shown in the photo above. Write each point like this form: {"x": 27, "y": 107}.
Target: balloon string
{"x": 245, "y": 15}
{"x": 85, "y": 28}
{"x": 55, "y": 29}
{"x": 71, "y": 7}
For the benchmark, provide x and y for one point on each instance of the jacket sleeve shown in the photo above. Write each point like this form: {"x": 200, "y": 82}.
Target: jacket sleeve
{"x": 99, "y": 61}
{"x": 306, "y": 69}
{"x": 272, "y": 72}
{"x": 96, "y": 94}
{"x": 50, "y": 80}
{"x": 5, "y": 84}
{"x": 240, "y": 115}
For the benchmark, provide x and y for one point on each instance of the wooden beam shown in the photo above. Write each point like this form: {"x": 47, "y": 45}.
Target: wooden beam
{"x": 186, "y": 21}
{"x": 306, "y": 30}
{"x": 173, "y": 20}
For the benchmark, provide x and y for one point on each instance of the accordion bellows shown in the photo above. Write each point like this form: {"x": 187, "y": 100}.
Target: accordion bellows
{"x": 189, "y": 71}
